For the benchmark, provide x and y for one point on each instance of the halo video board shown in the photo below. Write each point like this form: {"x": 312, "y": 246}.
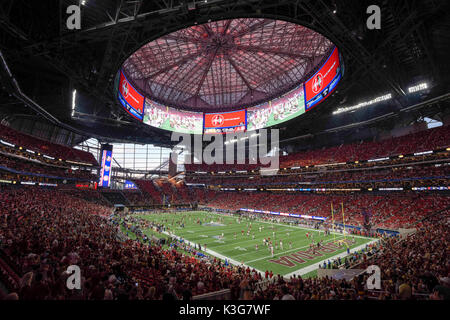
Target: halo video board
{"x": 289, "y": 106}
{"x": 285, "y": 108}
{"x": 163, "y": 117}
{"x": 324, "y": 81}
{"x": 132, "y": 100}
{"x": 225, "y": 122}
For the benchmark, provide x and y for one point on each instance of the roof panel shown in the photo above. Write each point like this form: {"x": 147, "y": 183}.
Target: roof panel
{"x": 221, "y": 62}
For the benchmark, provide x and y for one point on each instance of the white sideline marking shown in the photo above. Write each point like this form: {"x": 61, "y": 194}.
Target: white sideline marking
{"x": 213, "y": 253}
{"x": 304, "y": 228}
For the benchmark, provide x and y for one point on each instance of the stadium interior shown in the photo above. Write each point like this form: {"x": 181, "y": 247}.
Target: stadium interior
{"x": 92, "y": 176}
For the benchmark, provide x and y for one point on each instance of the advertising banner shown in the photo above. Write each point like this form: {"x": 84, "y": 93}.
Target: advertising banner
{"x": 234, "y": 121}
{"x": 324, "y": 81}
{"x": 132, "y": 100}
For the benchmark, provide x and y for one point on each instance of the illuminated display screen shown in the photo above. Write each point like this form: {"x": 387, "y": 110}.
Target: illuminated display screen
{"x": 277, "y": 111}
{"x": 105, "y": 172}
{"x": 129, "y": 185}
{"x": 171, "y": 119}
{"x": 324, "y": 81}
{"x": 132, "y": 100}
{"x": 287, "y": 107}
{"x": 225, "y": 122}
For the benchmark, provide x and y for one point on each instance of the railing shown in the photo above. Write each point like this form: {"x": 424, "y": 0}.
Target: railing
{"x": 224, "y": 294}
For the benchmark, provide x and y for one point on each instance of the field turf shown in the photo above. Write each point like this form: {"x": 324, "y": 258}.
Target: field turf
{"x": 242, "y": 248}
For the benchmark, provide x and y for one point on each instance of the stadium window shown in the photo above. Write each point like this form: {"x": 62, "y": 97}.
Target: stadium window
{"x": 129, "y": 155}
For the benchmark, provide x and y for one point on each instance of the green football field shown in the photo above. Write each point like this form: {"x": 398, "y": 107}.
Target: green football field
{"x": 241, "y": 248}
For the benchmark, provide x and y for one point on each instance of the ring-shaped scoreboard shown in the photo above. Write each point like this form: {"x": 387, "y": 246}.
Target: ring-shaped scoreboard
{"x": 304, "y": 97}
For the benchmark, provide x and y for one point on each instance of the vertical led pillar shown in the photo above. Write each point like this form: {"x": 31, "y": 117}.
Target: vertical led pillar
{"x": 105, "y": 170}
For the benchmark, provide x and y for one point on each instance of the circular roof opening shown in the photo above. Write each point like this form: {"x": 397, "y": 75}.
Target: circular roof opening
{"x": 226, "y": 65}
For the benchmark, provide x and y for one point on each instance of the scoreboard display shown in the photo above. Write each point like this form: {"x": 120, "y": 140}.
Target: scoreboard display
{"x": 225, "y": 122}
{"x": 132, "y": 101}
{"x": 284, "y": 108}
{"x": 324, "y": 81}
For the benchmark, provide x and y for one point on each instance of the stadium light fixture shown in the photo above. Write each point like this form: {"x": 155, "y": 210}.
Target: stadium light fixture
{"x": 363, "y": 104}
{"x": 419, "y": 87}
{"x": 74, "y": 95}
{"x": 423, "y": 153}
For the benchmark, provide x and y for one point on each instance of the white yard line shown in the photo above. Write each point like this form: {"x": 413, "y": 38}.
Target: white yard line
{"x": 298, "y": 272}
{"x": 213, "y": 253}
{"x": 314, "y": 266}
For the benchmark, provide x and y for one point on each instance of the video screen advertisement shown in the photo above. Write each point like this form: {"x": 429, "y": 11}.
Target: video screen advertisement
{"x": 282, "y": 109}
{"x": 225, "y": 122}
{"x": 106, "y": 161}
{"x": 324, "y": 81}
{"x": 132, "y": 100}
{"x": 163, "y": 117}
{"x": 129, "y": 185}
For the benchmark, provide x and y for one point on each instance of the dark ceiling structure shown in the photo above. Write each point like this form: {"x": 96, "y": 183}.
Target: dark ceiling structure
{"x": 227, "y": 64}
{"x": 46, "y": 62}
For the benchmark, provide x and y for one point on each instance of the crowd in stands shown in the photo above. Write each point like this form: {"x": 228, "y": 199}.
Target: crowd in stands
{"x": 401, "y": 176}
{"x": 27, "y": 167}
{"x": 42, "y": 232}
{"x": 390, "y": 210}
{"x": 137, "y": 198}
{"x": 48, "y": 148}
{"x": 413, "y": 268}
{"x": 174, "y": 192}
{"x": 149, "y": 188}
{"x": 431, "y": 139}
{"x": 90, "y": 195}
